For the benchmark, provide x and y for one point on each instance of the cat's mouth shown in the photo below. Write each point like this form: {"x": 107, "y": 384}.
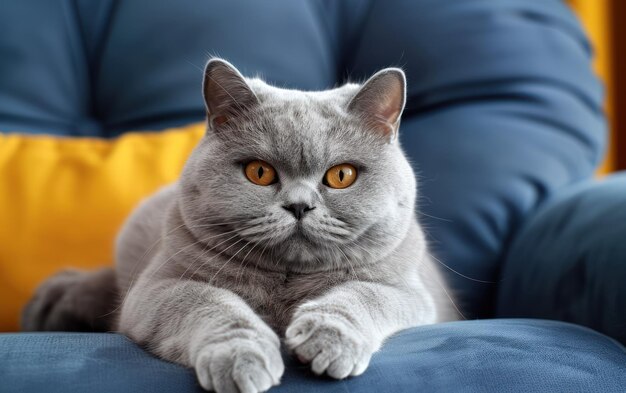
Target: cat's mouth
{"x": 309, "y": 235}
{"x": 301, "y": 233}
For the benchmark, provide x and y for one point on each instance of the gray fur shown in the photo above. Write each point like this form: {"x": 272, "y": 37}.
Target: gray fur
{"x": 213, "y": 269}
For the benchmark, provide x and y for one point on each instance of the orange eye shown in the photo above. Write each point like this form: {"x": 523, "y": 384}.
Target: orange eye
{"x": 340, "y": 176}
{"x": 260, "y": 173}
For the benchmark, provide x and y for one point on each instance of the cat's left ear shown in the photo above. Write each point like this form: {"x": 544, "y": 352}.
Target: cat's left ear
{"x": 226, "y": 92}
{"x": 381, "y": 100}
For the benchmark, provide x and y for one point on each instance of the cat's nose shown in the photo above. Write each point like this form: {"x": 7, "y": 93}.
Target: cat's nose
{"x": 298, "y": 209}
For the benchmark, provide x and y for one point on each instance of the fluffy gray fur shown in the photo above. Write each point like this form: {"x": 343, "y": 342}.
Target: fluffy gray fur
{"x": 213, "y": 269}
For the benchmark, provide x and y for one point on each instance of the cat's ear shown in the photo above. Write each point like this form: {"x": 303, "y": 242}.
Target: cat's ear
{"x": 380, "y": 101}
{"x": 226, "y": 93}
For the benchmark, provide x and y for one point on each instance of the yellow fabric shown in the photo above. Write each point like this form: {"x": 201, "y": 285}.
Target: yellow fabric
{"x": 62, "y": 201}
{"x": 595, "y": 16}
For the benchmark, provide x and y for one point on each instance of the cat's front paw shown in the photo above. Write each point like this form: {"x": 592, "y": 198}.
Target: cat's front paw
{"x": 330, "y": 343}
{"x": 240, "y": 365}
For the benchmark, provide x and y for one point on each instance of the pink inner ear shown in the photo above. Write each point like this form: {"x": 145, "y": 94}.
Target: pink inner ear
{"x": 386, "y": 115}
{"x": 391, "y": 114}
{"x": 383, "y": 126}
{"x": 219, "y": 120}
{"x": 392, "y": 102}
{"x": 381, "y": 100}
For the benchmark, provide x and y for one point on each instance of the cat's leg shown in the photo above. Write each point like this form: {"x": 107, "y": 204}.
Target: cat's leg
{"x": 206, "y": 328}
{"x": 338, "y": 332}
{"x": 140, "y": 238}
{"x": 73, "y": 300}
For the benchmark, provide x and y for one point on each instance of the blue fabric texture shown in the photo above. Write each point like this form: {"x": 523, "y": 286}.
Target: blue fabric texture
{"x": 478, "y": 356}
{"x": 569, "y": 261}
{"x": 502, "y": 110}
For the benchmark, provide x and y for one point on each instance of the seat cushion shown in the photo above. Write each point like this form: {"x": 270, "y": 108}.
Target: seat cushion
{"x": 475, "y": 356}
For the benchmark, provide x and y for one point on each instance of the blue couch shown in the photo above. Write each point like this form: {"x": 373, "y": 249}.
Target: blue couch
{"x": 505, "y": 126}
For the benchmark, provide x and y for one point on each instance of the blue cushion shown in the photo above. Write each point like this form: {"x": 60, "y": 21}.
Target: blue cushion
{"x": 503, "y": 110}
{"x": 107, "y": 67}
{"x": 503, "y": 107}
{"x": 569, "y": 261}
{"x": 477, "y": 356}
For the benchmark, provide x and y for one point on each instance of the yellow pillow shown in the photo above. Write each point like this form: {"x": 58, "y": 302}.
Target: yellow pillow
{"x": 62, "y": 201}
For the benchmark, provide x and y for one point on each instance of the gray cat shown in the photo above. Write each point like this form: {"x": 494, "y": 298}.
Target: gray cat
{"x": 293, "y": 217}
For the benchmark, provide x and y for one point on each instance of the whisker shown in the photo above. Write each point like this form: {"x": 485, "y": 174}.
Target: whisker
{"x": 434, "y": 217}
{"x": 443, "y": 287}
{"x": 243, "y": 265}
{"x": 208, "y": 283}
{"x": 228, "y": 260}
{"x": 461, "y": 274}
{"x": 356, "y": 278}
{"x": 187, "y": 247}
{"x": 203, "y": 264}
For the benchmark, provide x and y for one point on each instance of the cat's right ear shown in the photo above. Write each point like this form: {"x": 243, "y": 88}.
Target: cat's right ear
{"x": 226, "y": 93}
{"x": 381, "y": 100}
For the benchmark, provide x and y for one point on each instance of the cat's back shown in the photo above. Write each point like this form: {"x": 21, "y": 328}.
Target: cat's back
{"x": 140, "y": 237}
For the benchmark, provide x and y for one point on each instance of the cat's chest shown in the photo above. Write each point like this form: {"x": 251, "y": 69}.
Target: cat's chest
{"x": 275, "y": 296}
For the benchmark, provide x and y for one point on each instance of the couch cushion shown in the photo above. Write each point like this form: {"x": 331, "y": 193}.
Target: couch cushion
{"x": 569, "y": 261}
{"x": 478, "y": 356}
{"x": 103, "y": 68}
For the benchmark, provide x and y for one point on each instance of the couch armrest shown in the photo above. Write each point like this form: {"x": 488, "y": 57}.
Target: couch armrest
{"x": 569, "y": 260}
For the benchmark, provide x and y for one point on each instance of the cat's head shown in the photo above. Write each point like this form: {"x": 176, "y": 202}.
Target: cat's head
{"x": 310, "y": 178}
